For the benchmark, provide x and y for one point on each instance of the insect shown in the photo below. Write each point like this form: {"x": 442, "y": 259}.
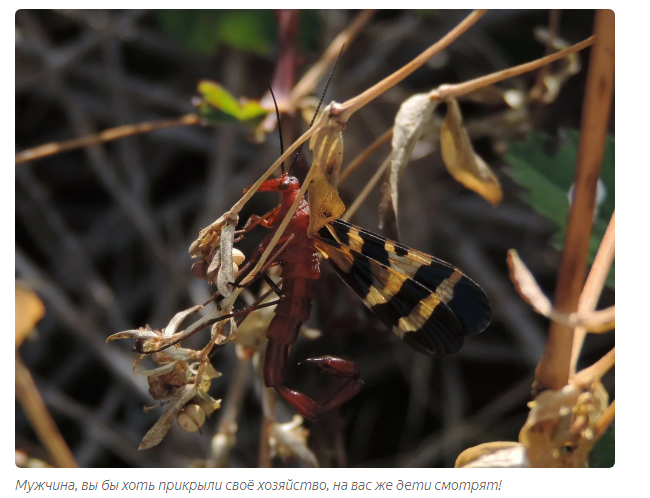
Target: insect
{"x": 426, "y": 302}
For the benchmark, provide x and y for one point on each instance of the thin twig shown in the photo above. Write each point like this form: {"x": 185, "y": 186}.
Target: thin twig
{"x": 374, "y": 180}
{"x": 455, "y": 90}
{"x": 586, "y": 377}
{"x": 346, "y": 109}
{"x": 553, "y": 369}
{"x": 41, "y": 420}
{"x": 594, "y": 286}
{"x": 365, "y": 154}
{"x": 105, "y": 136}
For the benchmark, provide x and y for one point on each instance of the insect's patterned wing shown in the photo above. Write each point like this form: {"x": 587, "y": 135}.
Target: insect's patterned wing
{"x": 464, "y": 296}
{"x": 415, "y": 313}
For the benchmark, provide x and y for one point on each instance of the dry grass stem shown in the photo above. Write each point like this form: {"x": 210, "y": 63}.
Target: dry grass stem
{"x": 553, "y": 369}
{"x": 40, "y": 418}
{"x": 372, "y": 183}
{"x": 445, "y": 92}
{"x": 346, "y": 109}
{"x": 105, "y": 136}
{"x": 594, "y": 286}
{"x": 586, "y": 377}
{"x": 308, "y": 82}
{"x": 365, "y": 154}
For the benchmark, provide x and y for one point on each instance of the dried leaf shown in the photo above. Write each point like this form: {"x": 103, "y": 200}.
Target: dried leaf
{"x": 461, "y": 160}
{"x": 498, "y": 454}
{"x": 225, "y": 276}
{"x": 410, "y": 122}
{"x": 160, "y": 429}
{"x": 171, "y": 328}
{"x": 29, "y": 311}
{"x": 207, "y": 247}
{"x": 559, "y": 430}
{"x": 326, "y": 145}
{"x": 137, "y": 334}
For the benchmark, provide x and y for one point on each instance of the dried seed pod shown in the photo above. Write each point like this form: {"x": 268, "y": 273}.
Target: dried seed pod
{"x": 191, "y": 418}
{"x": 237, "y": 256}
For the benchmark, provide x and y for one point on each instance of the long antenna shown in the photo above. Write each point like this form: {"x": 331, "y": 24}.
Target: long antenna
{"x": 295, "y": 158}
{"x": 277, "y": 114}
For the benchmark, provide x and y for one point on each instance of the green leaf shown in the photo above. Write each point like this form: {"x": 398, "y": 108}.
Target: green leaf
{"x": 202, "y": 31}
{"x": 217, "y": 106}
{"x": 603, "y": 455}
{"x": 547, "y": 179}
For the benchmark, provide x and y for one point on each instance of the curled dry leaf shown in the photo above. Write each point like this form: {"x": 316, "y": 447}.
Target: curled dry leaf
{"x": 206, "y": 248}
{"x": 557, "y": 74}
{"x": 527, "y": 288}
{"x": 225, "y": 276}
{"x": 462, "y": 162}
{"x": 410, "y": 122}
{"x": 29, "y": 311}
{"x": 498, "y": 454}
{"x": 160, "y": 429}
{"x": 326, "y": 145}
{"x": 559, "y": 431}
{"x": 289, "y": 440}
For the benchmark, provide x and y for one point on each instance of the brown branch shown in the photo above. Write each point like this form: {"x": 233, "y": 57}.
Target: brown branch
{"x": 594, "y": 286}
{"x": 346, "y": 109}
{"x": 365, "y": 154}
{"x": 554, "y": 367}
{"x": 454, "y": 91}
{"x": 36, "y": 411}
{"x": 105, "y": 136}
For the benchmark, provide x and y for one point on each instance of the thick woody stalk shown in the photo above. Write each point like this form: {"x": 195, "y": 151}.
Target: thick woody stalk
{"x": 553, "y": 369}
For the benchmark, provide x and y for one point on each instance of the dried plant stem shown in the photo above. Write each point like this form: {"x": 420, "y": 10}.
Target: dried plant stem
{"x": 41, "y": 420}
{"x": 234, "y": 397}
{"x": 365, "y": 154}
{"x": 308, "y": 82}
{"x": 594, "y": 286}
{"x": 586, "y": 377}
{"x": 346, "y": 109}
{"x": 105, "y": 136}
{"x": 367, "y": 189}
{"x": 604, "y": 421}
{"x": 264, "y": 459}
{"x": 553, "y": 369}
{"x": 445, "y": 92}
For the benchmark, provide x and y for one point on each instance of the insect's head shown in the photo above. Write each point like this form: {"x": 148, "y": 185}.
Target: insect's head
{"x": 285, "y": 183}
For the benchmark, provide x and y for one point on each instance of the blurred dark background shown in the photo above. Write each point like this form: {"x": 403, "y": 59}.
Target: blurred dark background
{"x": 102, "y": 233}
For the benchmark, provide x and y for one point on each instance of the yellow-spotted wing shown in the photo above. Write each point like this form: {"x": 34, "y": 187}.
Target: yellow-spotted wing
{"x": 427, "y": 302}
